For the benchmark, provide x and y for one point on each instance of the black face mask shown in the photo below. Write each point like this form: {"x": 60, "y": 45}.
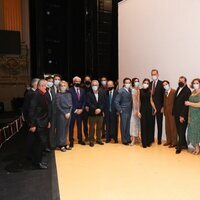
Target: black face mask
{"x": 77, "y": 84}
{"x": 110, "y": 88}
{"x": 87, "y": 82}
{"x": 180, "y": 84}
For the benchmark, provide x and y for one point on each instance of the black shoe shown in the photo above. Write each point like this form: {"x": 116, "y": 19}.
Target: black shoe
{"x": 81, "y": 142}
{"x": 184, "y": 147}
{"x": 125, "y": 143}
{"x": 71, "y": 144}
{"x": 100, "y": 142}
{"x": 178, "y": 151}
{"x": 129, "y": 142}
{"x": 159, "y": 142}
{"x": 67, "y": 147}
{"x": 108, "y": 140}
{"x": 41, "y": 166}
{"x": 63, "y": 149}
{"x": 91, "y": 144}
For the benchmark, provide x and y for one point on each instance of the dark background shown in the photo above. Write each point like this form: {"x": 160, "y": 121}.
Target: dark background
{"x": 74, "y": 37}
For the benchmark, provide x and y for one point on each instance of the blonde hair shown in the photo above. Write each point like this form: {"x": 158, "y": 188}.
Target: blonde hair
{"x": 65, "y": 83}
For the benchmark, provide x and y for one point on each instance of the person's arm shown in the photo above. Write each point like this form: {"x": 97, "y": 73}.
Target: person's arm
{"x": 117, "y": 102}
{"x": 195, "y": 105}
{"x": 139, "y": 104}
{"x": 58, "y": 104}
{"x": 153, "y": 105}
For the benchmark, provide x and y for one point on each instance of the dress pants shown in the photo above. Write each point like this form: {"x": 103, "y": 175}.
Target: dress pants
{"x": 181, "y": 129}
{"x": 111, "y": 126}
{"x": 95, "y": 121}
{"x": 125, "y": 120}
{"x": 85, "y": 123}
{"x": 159, "y": 118}
{"x": 36, "y": 143}
{"x": 78, "y": 118}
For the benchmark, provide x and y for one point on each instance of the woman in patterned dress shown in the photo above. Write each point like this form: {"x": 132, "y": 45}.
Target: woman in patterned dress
{"x": 194, "y": 117}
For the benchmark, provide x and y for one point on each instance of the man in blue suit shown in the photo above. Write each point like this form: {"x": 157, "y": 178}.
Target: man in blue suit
{"x": 78, "y": 100}
{"x": 111, "y": 116}
{"x": 123, "y": 104}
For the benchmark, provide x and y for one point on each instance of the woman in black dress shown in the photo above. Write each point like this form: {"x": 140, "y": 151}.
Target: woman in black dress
{"x": 147, "y": 110}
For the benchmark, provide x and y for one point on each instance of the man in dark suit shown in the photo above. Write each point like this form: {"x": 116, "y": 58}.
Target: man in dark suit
{"x": 39, "y": 123}
{"x": 111, "y": 113}
{"x": 87, "y": 88}
{"x": 180, "y": 112}
{"x": 123, "y": 104}
{"x": 158, "y": 92}
{"x": 96, "y": 104}
{"x": 78, "y": 100}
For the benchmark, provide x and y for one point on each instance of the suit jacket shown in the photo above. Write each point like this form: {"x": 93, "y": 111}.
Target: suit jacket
{"x": 168, "y": 102}
{"x": 158, "y": 96}
{"x": 123, "y": 101}
{"x": 179, "y": 108}
{"x": 107, "y": 102}
{"x": 93, "y": 104}
{"x": 63, "y": 103}
{"x": 27, "y": 99}
{"x": 77, "y": 104}
{"x": 53, "y": 94}
{"x": 39, "y": 110}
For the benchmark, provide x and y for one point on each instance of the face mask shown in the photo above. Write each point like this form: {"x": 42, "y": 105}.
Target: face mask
{"x": 77, "y": 84}
{"x": 180, "y": 84}
{"x": 87, "y": 82}
{"x": 166, "y": 87}
{"x": 63, "y": 89}
{"x": 196, "y": 86}
{"x": 56, "y": 82}
{"x": 127, "y": 85}
{"x": 110, "y": 88}
{"x": 49, "y": 84}
{"x": 145, "y": 86}
{"x": 154, "y": 78}
{"x": 136, "y": 84}
{"x": 94, "y": 88}
{"x": 104, "y": 83}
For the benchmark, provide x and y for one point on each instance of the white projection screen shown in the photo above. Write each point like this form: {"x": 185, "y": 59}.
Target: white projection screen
{"x": 162, "y": 34}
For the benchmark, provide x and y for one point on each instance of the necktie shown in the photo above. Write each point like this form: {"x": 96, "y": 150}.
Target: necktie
{"x": 78, "y": 93}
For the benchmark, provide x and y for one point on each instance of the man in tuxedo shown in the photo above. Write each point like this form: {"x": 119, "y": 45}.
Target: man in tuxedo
{"x": 96, "y": 104}
{"x": 123, "y": 103}
{"x": 157, "y": 91}
{"x": 111, "y": 113}
{"x": 78, "y": 99}
{"x": 87, "y": 88}
{"x": 39, "y": 123}
{"x": 170, "y": 126}
{"x": 180, "y": 112}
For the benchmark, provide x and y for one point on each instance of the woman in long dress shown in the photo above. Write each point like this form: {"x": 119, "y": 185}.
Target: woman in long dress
{"x": 135, "y": 120}
{"x": 193, "y": 136}
{"x": 147, "y": 110}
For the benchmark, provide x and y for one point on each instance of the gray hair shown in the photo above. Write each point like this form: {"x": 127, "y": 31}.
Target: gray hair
{"x": 34, "y": 81}
{"x": 75, "y": 78}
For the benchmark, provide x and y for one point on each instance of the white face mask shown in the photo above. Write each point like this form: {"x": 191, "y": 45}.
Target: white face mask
{"x": 145, "y": 85}
{"x": 63, "y": 89}
{"x": 136, "y": 84}
{"x": 104, "y": 83}
{"x": 56, "y": 82}
{"x": 127, "y": 85}
{"x": 94, "y": 88}
{"x": 49, "y": 84}
{"x": 167, "y": 87}
{"x": 196, "y": 86}
{"x": 154, "y": 78}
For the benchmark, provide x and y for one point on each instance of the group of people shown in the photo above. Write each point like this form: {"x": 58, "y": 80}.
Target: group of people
{"x": 51, "y": 109}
